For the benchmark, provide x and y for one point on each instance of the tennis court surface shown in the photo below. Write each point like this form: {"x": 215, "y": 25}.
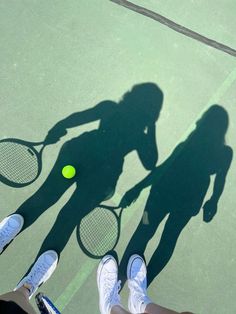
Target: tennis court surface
{"x": 60, "y": 58}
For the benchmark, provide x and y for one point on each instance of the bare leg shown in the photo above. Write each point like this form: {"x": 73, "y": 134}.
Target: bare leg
{"x": 118, "y": 310}
{"x": 108, "y": 288}
{"x": 150, "y": 309}
{"x": 157, "y": 309}
{"x": 21, "y": 298}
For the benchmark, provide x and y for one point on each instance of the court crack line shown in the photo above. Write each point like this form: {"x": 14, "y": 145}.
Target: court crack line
{"x": 176, "y": 27}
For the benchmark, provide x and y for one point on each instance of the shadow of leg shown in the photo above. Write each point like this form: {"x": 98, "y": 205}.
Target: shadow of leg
{"x": 147, "y": 227}
{"x": 47, "y": 195}
{"x": 66, "y": 221}
{"x": 173, "y": 227}
{"x": 63, "y": 227}
{"x": 69, "y": 217}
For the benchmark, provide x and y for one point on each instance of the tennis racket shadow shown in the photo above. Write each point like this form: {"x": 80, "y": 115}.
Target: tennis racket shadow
{"x": 20, "y": 161}
{"x": 99, "y": 231}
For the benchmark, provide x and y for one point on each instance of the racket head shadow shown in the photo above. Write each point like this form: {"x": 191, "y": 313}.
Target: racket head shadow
{"x": 20, "y": 162}
{"x": 98, "y": 232}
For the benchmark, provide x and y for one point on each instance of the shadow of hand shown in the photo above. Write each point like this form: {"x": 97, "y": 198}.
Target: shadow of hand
{"x": 55, "y": 134}
{"x": 209, "y": 210}
{"x": 129, "y": 197}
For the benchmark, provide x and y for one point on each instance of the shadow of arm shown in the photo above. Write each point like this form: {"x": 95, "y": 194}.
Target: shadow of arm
{"x": 147, "y": 149}
{"x": 210, "y": 207}
{"x": 79, "y": 118}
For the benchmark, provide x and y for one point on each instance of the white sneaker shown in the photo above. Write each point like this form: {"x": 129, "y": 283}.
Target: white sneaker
{"x": 108, "y": 284}
{"x": 9, "y": 228}
{"x": 40, "y": 272}
{"x": 137, "y": 282}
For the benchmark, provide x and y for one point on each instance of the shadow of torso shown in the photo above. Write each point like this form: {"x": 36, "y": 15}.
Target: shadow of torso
{"x": 98, "y": 155}
{"x": 185, "y": 178}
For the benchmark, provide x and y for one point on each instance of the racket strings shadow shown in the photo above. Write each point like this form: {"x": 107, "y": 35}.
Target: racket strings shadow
{"x": 20, "y": 162}
{"x": 98, "y": 232}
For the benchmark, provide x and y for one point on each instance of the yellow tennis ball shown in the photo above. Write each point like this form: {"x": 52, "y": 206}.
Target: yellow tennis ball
{"x": 68, "y": 172}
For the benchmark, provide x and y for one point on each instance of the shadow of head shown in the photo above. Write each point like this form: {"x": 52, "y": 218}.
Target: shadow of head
{"x": 213, "y": 124}
{"x": 144, "y": 101}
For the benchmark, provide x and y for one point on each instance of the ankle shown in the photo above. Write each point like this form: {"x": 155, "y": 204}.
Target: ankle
{"x": 138, "y": 299}
{"x": 24, "y": 290}
{"x": 144, "y": 304}
{"x": 118, "y": 309}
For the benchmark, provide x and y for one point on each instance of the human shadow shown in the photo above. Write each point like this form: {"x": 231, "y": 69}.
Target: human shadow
{"x": 98, "y": 157}
{"x": 178, "y": 189}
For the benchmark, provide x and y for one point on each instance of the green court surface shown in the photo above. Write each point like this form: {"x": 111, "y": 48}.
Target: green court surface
{"x": 62, "y": 57}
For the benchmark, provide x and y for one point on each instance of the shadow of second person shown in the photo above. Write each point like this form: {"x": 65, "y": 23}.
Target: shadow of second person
{"x": 178, "y": 188}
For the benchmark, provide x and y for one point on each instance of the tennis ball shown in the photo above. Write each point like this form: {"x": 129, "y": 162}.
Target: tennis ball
{"x": 68, "y": 172}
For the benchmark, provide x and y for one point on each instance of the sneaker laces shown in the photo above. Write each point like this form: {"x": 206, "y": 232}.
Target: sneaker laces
{"x": 112, "y": 291}
{"x": 36, "y": 275}
{"x": 139, "y": 294}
